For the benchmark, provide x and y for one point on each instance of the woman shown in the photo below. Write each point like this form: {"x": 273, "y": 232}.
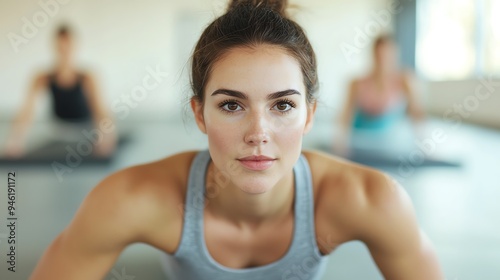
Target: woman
{"x": 76, "y": 103}
{"x": 253, "y": 206}
{"x": 378, "y": 101}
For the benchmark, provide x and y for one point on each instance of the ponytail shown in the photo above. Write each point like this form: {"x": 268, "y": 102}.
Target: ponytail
{"x": 278, "y": 6}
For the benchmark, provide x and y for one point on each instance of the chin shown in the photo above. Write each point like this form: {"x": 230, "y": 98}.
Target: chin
{"x": 255, "y": 185}
{"x": 254, "y": 189}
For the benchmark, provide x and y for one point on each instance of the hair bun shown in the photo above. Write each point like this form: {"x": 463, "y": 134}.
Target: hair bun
{"x": 278, "y": 6}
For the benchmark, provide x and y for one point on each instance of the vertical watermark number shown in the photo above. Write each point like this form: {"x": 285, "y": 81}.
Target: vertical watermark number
{"x": 11, "y": 222}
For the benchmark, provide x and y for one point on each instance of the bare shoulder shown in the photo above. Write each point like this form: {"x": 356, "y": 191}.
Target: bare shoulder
{"x": 144, "y": 198}
{"x": 337, "y": 174}
{"x": 346, "y": 190}
{"x": 88, "y": 78}
{"x": 125, "y": 208}
{"x": 407, "y": 77}
{"x": 360, "y": 203}
{"x": 355, "y": 83}
{"x": 41, "y": 78}
{"x": 157, "y": 183}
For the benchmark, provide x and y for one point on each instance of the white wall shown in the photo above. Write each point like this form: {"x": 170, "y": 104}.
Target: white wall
{"x": 118, "y": 39}
{"x": 475, "y": 101}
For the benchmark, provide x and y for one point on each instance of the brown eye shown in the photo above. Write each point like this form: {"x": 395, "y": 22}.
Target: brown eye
{"x": 232, "y": 106}
{"x": 283, "y": 106}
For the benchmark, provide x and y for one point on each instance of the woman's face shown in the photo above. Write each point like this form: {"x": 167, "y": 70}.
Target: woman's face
{"x": 386, "y": 55}
{"x": 255, "y": 105}
{"x": 64, "y": 47}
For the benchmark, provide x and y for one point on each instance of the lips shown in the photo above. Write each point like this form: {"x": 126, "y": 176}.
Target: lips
{"x": 257, "y": 162}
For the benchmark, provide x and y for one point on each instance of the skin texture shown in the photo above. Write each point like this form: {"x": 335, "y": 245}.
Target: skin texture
{"x": 66, "y": 75}
{"x": 248, "y": 214}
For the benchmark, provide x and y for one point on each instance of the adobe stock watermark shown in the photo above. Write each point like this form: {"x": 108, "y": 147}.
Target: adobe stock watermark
{"x": 307, "y": 266}
{"x": 121, "y": 275}
{"x": 48, "y": 9}
{"x": 216, "y": 182}
{"x": 120, "y": 107}
{"x": 301, "y": 271}
{"x": 221, "y": 178}
{"x": 363, "y": 37}
{"x": 456, "y": 114}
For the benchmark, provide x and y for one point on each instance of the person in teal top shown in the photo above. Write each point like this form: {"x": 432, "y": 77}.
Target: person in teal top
{"x": 380, "y": 100}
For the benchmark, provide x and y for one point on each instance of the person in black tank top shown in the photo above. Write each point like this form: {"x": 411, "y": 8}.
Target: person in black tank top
{"x": 76, "y": 103}
{"x": 70, "y": 103}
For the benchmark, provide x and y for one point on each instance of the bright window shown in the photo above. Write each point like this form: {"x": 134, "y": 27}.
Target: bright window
{"x": 492, "y": 37}
{"x": 458, "y": 39}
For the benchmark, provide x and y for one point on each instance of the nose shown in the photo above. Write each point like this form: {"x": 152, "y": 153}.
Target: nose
{"x": 257, "y": 133}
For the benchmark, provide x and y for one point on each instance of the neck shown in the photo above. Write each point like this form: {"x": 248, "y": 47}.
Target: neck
{"x": 64, "y": 66}
{"x": 383, "y": 72}
{"x": 240, "y": 208}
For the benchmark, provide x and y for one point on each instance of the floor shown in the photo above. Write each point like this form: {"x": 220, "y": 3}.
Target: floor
{"x": 457, "y": 207}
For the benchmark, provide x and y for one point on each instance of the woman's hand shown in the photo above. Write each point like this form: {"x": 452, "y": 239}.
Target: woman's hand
{"x": 14, "y": 149}
{"x": 106, "y": 146}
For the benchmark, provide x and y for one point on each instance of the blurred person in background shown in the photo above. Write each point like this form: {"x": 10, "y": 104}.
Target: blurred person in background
{"x": 77, "y": 104}
{"x": 379, "y": 100}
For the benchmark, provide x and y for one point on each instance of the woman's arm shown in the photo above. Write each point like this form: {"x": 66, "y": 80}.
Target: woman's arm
{"x": 100, "y": 116}
{"x": 16, "y": 139}
{"x": 415, "y": 110}
{"x": 342, "y": 137}
{"x": 111, "y": 217}
{"x": 390, "y": 230}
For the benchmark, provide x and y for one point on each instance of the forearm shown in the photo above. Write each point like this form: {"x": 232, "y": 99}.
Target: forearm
{"x": 23, "y": 119}
{"x": 103, "y": 121}
{"x": 425, "y": 269}
{"x": 423, "y": 265}
{"x": 105, "y": 124}
{"x": 58, "y": 262}
{"x": 19, "y": 129}
{"x": 415, "y": 112}
{"x": 345, "y": 126}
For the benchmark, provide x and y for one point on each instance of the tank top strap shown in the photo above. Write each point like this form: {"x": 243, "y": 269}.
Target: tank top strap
{"x": 304, "y": 238}
{"x": 194, "y": 203}
{"x": 80, "y": 76}
{"x": 192, "y": 261}
{"x": 304, "y": 207}
{"x": 52, "y": 78}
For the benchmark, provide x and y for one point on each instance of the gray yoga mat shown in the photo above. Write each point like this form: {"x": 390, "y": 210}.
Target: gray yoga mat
{"x": 62, "y": 151}
{"x": 377, "y": 158}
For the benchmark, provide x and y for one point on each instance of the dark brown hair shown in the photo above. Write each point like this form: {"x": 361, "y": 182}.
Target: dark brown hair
{"x": 63, "y": 31}
{"x": 382, "y": 39}
{"x": 249, "y": 23}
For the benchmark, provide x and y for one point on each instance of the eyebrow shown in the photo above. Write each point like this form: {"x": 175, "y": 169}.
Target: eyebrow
{"x": 241, "y": 95}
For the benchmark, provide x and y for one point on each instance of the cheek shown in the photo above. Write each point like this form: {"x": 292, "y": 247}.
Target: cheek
{"x": 287, "y": 131}
{"x": 221, "y": 133}
{"x": 289, "y": 126}
{"x": 289, "y": 137}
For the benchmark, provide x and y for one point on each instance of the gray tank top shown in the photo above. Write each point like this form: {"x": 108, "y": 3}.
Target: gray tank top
{"x": 192, "y": 261}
